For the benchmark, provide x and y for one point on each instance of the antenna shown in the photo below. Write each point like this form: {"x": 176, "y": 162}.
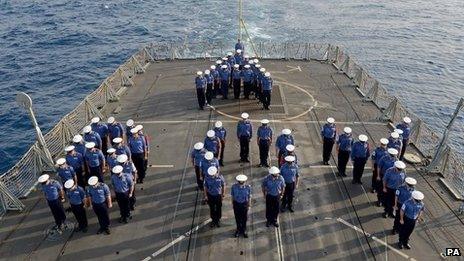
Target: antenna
{"x": 242, "y": 25}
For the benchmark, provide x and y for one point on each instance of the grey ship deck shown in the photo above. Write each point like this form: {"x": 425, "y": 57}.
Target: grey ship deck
{"x": 330, "y": 212}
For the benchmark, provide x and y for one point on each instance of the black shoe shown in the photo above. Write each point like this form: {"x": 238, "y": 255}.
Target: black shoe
{"x": 132, "y": 208}
{"x": 221, "y": 164}
{"x": 393, "y": 232}
{"x": 353, "y": 182}
{"x": 129, "y": 217}
{"x": 236, "y": 233}
{"x": 343, "y": 174}
{"x": 359, "y": 182}
{"x": 212, "y": 224}
{"x": 384, "y": 215}
{"x": 218, "y": 224}
{"x": 282, "y": 209}
{"x": 378, "y": 204}
{"x": 291, "y": 209}
{"x": 84, "y": 230}
{"x": 245, "y": 235}
{"x": 400, "y": 246}
{"x": 260, "y": 165}
{"x": 267, "y": 165}
{"x": 77, "y": 229}
{"x": 407, "y": 246}
{"x": 107, "y": 231}
{"x": 125, "y": 221}
{"x": 99, "y": 231}
{"x": 391, "y": 216}
{"x": 268, "y": 223}
{"x": 276, "y": 224}
{"x": 121, "y": 219}
{"x": 373, "y": 190}
{"x": 247, "y": 160}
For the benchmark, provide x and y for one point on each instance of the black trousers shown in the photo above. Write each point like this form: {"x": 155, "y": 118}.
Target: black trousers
{"x": 104, "y": 147}
{"x": 225, "y": 88}
{"x": 287, "y": 199}
{"x": 217, "y": 88}
{"x": 327, "y": 146}
{"x": 280, "y": 158}
{"x": 343, "y": 157}
{"x": 379, "y": 187}
{"x": 96, "y": 171}
{"x": 215, "y": 207}
{"x": 81, "y": 180}
{"x": 123, "y": 201}
{"x": 403, "y": 148}
{"x": 138, "y": 159}
{"x": 101, "y": 210}
{"x": 263, "y": 151}
{"x": 406, "y": 230}
{"x": 57, "y": 211}
{"x": 241, "y": 215}
{"x": 272, "y": 208}
{"x": 374, "y": 183}
{"x": 244, "y": 147}
{"x": 209, "y": 92}
{"x": 236, "y": 84}
{"x": 199, "y": 178}
{"x": 358, "y": 168}
{"x": 132, "y": 201}
{"x": 396, "y": 223}
{"x": 221, "y": 153}
{"x": 266, "y": 98}
{"x": 389, "y": 201}
{"x": 247, "y": 86}
{"x": 81, "y": 216}
{"x": 201, "y": 97}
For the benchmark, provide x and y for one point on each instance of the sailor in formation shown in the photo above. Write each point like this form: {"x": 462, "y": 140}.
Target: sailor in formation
{"x": 76, "y": 161}
{"x": 386, "y": 162}
{"x": 76, "y": 197}
{"x": 360, "y": 153}
{"x": 264, "y": 141}
{"x": 344, "y": 143}
{"x": 208, "y": 161}
{"x": 130, "y": 124}
{"x": 102, "y": 130}
{"x": 115, "y": 130}
{"x": 236, "y": 80}
{"x": 209, "y": 86}
{"x": 282, "y": 141}
{"x": 121, "y": 147}
{"x": 289, "y": 151}
{"x": 128, "y": 168}
{"x": 328, "y": 132}
{"x": 244, "y": 135}
{"x": 221, "y": 133}
{"x": 266, "y": 83}
{"x": 214, "y": 190}
{"x": 273, "y": 187}
{"x": 65, "y": 172}
{"x": 213, "y": 144}
{"x": 200, "y": 84}
{"x": 410, "y": 214}
{"x": 54, "y": 195}
{"x": 98, "y": 195}
{"x": 239, "y": 46}
{"x": 405, "y": 127}
{"x": 92, "y": 136}
{"x": 378, "y": 153}
{"x": 394, "y": 141}
{"x": 139, "y": 151}
{"x": 392, "y": 180}
{"x": 123, "y": 185}
{"x": 78, "y": 143}
{"x": 225, "y": 78}
{"x": 402, "y": 194}
{"x": 241, "y": 203}
{"x": 289, "y": 171}
{"x": 111, "y": 158}
{"x": 197, "y": 156}
{"x": 214, "y": 71}
{"x": 95, "y": 161}
{"x": 248, "y": 81}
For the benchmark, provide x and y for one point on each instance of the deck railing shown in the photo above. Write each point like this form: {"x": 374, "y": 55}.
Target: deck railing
{"x": 18, "y": 181}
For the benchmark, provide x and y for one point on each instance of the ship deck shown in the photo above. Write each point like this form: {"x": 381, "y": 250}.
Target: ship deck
{"x": 170, "y": 223}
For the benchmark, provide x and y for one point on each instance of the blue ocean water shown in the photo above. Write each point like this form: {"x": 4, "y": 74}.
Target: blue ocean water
{"x": 58, "y": 51}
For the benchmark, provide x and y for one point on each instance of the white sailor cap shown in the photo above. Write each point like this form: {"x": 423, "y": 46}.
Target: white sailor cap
{"x": 224, "y": 66}
{"x": 117, "y": 169}
{"x": 262, "y": 70}
{"x": 290, "y": 147}
{"x": 258, "y": 66}
{"x": 129, "y": 122}
{"x": 77, "y": 138}
{"x": 400, "y": 131}
{"x": 93, "y": 181}
{"x": 61, "y": 161}
{"x": 267, "y": 74}
{"x": 392, "y": 151}
{"x": 245, "y": 115}
{"x": 117, "y": 140}
{"x": 286, "y": 132}
{"x": 139, "y": 127}
{"x": 218, "y": 62}
{"x": 110, "y": 120}
{"x": 210, "y": 134}
{"x": 122, "y": 158}
{"x": 384, "y": 141}
{"x": 417, "y": 195}
{"x": 69, "y": 148}
{"x": 43, "y": 178}
{"x": 247, "y": 66}
{"x": 87, "y": 129}
{"x": 69, "y": 184}
{"x": 224, "y": 59}
{"x": 410, "y": 181}
{"x": 347, "y": 130}
{"x": 256, "y": 60}
{"x": 363, "y": 138}
{"x": 134, "y": 130}
{"x": 229, "y": 53}
{"x": 199, "y": 73}
{"x": 246, "y": 57}
{"x": 207, "y": 72}
{"x": 213, "y": 67}
{"x": 330, "y": 120}
{"x": 95, "y": 119}
{"x": 239, "y": 51}
{"x": 236, "y": 66}
{"x": 407, "y": 120}
{"x": 250, "y": 62}
{"x": 395, "y": 135}
{"x": 264, "y": 121}
{"x": 212, "y": 170}
{"x": 241, "y": 178}
{"x": 111, "y": 150}
{"x": 199, "y": 146}
{"x": 399, "y": 164}
{"x": 274, "y": 170}
{"x": 209, "y": 155}
{"x": 290, "y": 158}
{"x": 90, "y": 145}
{"x": 218, "y": 124}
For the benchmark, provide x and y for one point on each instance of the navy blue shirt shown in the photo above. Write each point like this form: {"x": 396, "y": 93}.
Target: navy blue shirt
{"x": 66, "y": 173}
{"x": 406, "y": 130}
{"x": 240, "y": 46}
{"x": 115, "y": 130}
{"x": 215, "y": 74}
{"x": 238, "y": 59}
{"x": 75, "y": 160}
{"x": 264, "y": 132}
{"x": 360, "y": 150}
{"x": 214, "y": 184}
{"x": 80, "y": 147}
{"x": 236, "y": 74}
{"x": 328, "y": 131}
{"x": 52, "y": 190}
{"x": 93, "y": 137}
{"x": 395, "y": 143}
{"x": 386, "y": 162}
{"x": 200, "y": 82}
{"x": 205, "y": 164}
{"x": 111, "y": 160}
{"x": 244, "y": 129}
{"x": 345, "y": 141}
{"x": 137, "y": 145}
{"x": 209, "y": 79}
{"x": 266, "y": 83}
{"x": 76, "y": 196}
{"x": 123, "y": 149}
{"x": 394, "y": 178}
{"x": 94, "y": 158}
{"x": 284, "y": 140}
{"x": 240, "y": 193}
{"x": 197, "y": 156}
{"x": 273, "y": 186}
{"x": 224, "y": 74}
{"x": 411, "y": 208}
{"x": 99, "y": 193}
{"x": 212, "y": 144}
{"x": 404, "y": 193}
{"x": 221, "y": 133}
{"x": 247, "y": 75}
{"x": 129, "y": 168}
{"x": 100, "y": 128}
{"x": 378, "y": 153}
{"x": 123, "y": 183}
{"x": 289, "y": 172}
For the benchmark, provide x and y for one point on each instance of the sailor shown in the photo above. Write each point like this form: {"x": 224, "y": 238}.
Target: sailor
{"x": 245, "y": 61}
{"x": 244, "y": 135}
{"x": 264, "y": 142}
{"x": 102, "y": 130}
{"x": 378, "y": 153}
{"x": 78, "y": 143}
{"x": 138, "y": 148}
{"x": 360, "y": 153}
{"x": 76, "y": 161}
{"x": 217, "y": 80}
{"x": 221, "y": 133}
{"x": 115, "y": 129}
{"x": 248, "y": 77}
{"x": 208, "y": 161}
{"x": 123, "y": 187}
{"x": 289, "y": 151}
{"x": 65, "y": 172}
{"x": 111, "y": 158}
{"x": 410, "y": 213}
{"x": 238, "y": 58}
{"x": 405, "y": 127}
{"x": 328, "y": 132}
{"x": 121, "y": 148}
{"x": 259, "y": 88}
{"x": 209, "y": 86}
{"x": 394, "y": 141}
{"x": 200, "y": 84}
{"x": 98, "y": 194}
{"x": 239, "y": 46}
{"x": 392, "y": 180}
{"x": 128, "y": 168}
{"x": 273, "y": 187}
{"x": 237, "y": 80}
{"x": 289, "y": 171}
{"x": 129, "y": 125}
{"x": 213, "y": 143}
{"x": 282, "y": 141}
{"x": 256, "y": 80}
{"x": 402, "y": 194}
{"x": 241, "y": 202}
{"x": 214, "y": 189}
{"x": 386, "y": 162}
{"x": 76, "y": 196}
{"x": 344, "y": 143}
{"x": 231, "y": 59}
{"x": 92, "y": 136}
{"x": 225, "y": 77}
{"x": 197, "y": 155}
{"x": 95, "y": 161}
{"x": 147, "y": 143}
{"x": 54, "y": 194}
{"x": 267, "y": 90}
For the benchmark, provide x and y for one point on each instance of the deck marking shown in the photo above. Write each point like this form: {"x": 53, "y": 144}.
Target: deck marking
{"x": 293, "y": 68}
{"x": 177, "y": 240}
{"x": 161, "y": 166}
{"x": 258, "y": 121}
